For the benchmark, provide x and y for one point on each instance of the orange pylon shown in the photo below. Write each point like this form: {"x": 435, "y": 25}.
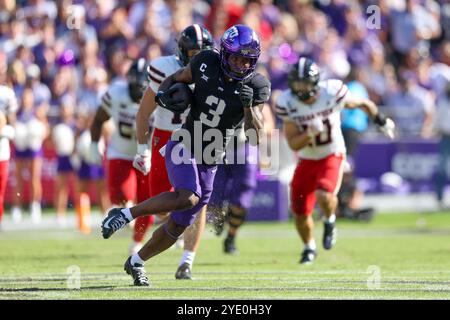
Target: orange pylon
{"x": 84, "y": 213}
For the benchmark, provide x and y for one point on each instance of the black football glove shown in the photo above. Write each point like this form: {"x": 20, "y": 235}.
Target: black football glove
{"x": 246, "y": 96}
{"x": 164, "y": 98}
{"x": 174, "y": 99}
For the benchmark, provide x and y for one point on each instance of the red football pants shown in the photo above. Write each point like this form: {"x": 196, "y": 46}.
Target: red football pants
{"x": 311, "y": 175}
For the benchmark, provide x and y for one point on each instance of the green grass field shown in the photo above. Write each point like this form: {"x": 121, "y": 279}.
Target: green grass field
{"x": 408, "y": 253}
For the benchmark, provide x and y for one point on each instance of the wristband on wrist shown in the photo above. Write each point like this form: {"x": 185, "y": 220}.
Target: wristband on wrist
{"x": 380, "y": 119}
{"x": 142, "y": 148}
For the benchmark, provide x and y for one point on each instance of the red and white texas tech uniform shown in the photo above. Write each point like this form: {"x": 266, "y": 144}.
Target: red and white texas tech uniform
{"x": 321, "y": 162}
{"x": 125, "y": 183}
{"x": 8, "y": 106}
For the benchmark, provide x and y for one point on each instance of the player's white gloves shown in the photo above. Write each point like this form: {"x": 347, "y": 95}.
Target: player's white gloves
{"x": 388, "y": 129}
{"x": 94, "y": 156}
{"x": 315, "y": 127}
{"x": 386, "y": 125}
{"x": 142, "y": 159}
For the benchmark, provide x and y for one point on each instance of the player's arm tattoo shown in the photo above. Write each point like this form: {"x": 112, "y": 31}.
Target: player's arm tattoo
{"x": 253, "y": 120}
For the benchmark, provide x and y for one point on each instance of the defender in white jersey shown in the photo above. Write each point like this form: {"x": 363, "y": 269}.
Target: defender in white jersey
{"x": 193, "y": 39}
{"x": 121, "y": 103}
{"x": 310, "y": 111}
{"x": 8, "y": 109}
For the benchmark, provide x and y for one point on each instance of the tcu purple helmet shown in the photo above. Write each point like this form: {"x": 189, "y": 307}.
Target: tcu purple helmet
{"x": 242, "y": 41}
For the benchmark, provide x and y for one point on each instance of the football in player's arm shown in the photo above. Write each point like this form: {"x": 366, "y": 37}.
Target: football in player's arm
{"x": 253, "y": 119}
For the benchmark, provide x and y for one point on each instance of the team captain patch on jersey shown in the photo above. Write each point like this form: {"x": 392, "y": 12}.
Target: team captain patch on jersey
{"x": 158, "y": 70}
{"x": 216, "y": 101}
{"x": 118, "y": 105}
{"x": 331, "y": 98}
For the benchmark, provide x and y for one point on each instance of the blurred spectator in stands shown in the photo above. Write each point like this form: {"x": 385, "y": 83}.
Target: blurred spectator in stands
{"x": 63, "y": 137}
{"x": 333, "y": 58}
{"x": 336, "y": 11}
{"x": 31, "y": 130}
{"x": 380, "y": 77}
{"x": 62, "y": 85}
{"x": 223, "y": 15}
{"x": 17, "y": 36}
{"x": 118, "y": 64}
{"x": 412, "y": 107}
{"x": 17, "y": 76}
{"x": 78, "y": 36}
{"x": 94, "y": 85}
{"x": 254, "y": 18}
{"x": 360, "y": 43}
{"x": 41, "y": 92}
{"x": 443, "y": 128}
{"x": 153, "y": 52}
{"x": 439, "y": 71}
{"x": 88, "y": 174}
{"x": 45, "y": 52}
{"x": 445, "y": 19}
{"x": 354, "y": 121}
{"x": 412, "y": 27}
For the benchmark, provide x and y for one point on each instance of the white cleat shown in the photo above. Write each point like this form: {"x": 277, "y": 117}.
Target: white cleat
{"x": 36, "y": 212}
{"x": 62, "y": 221}
{"x": 16, "y": 214}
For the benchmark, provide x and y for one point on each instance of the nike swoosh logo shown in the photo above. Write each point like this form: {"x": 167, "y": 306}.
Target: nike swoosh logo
{"x": 107, "y": 222}
{"x": 236, "y": 92}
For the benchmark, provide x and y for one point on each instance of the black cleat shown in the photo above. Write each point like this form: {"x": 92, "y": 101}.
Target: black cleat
{"x": 137, "y": 272}
{"x": 114, "y": 221}
{"x": 229, "y": 247}
{"x": 183, "y": 272}
{"x": 329, "y": 235}
{"x": 308, "y": 256}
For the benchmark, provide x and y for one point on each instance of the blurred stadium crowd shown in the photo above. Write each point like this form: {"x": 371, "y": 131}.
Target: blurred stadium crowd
{"x": 59, "y": 56}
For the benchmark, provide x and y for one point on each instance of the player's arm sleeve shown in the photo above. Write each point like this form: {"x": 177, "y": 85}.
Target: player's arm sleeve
{"x": 281, "y": 109}
{"x": 155, "y": 74}
{"x": 106, "y": 102}
{"x": 342, "y": 96}
{"x": 196, "y": 62}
